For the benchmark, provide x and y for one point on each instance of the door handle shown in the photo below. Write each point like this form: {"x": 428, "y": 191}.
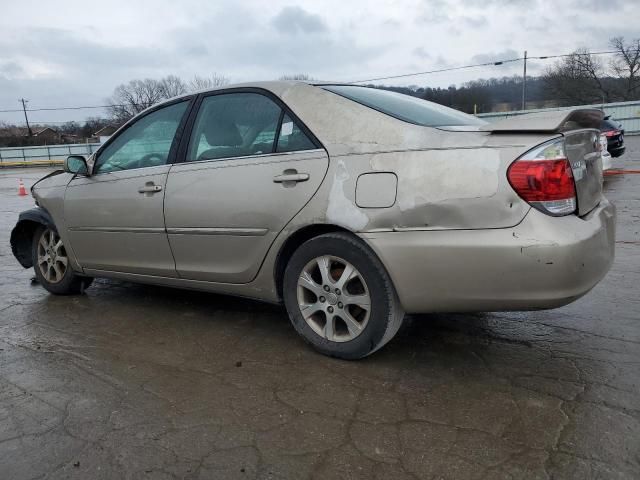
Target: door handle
{"x": 150, "y": 187}
{"x": 291, "y": 178}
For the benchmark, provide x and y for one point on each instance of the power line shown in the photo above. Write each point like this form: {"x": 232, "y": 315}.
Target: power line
{"x": 476, "y": 65}
{"x": 61, "y": 108}
{"x": 448, "y": 69}
{"x": 546, "y": 57}
{"x": 440, "y": 70}
{"x": 43, "y": 122}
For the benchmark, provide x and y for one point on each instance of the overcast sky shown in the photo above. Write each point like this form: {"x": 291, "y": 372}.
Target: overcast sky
{"x": 68, "y": 53}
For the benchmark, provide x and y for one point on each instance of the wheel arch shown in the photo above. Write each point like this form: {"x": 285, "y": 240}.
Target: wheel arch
{"x": 292, "y": 243}
{"x": 22, "y": 233}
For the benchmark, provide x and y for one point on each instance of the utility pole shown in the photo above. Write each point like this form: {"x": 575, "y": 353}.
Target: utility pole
{"x": 524, "y": 83}
{"x": 24, "y": 109}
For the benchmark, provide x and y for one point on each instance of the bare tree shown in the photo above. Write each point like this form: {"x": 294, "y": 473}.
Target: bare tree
{"x": 92, "y": 125}
{"x": 69, "y": 127}
{"x": 577, "y": 79}
{"x": 172, "y": 86}
{"x": 297, "y": 76}
{"x": 131, "y": 98}
{"x": 626, "y": 66}
{"x": 213, "y": 81}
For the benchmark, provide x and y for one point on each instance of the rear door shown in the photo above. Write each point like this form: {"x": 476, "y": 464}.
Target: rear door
{"x": 249, "y": 166}
{"x": 115, "y": 217}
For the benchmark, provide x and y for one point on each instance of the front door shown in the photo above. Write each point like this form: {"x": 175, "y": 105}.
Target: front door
{"x": 115, "y": 217}
{"x": 249, "y": 168}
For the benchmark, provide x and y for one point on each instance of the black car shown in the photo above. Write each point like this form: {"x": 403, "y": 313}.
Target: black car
{"x": 615, "y": 136}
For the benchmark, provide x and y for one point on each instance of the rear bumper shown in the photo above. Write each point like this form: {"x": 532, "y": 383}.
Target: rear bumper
{"x": 544, "y": 262}
{"x": 616, "y": 151}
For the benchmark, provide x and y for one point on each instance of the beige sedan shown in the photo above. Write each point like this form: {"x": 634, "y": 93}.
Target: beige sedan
{"x": 349, "y": 204}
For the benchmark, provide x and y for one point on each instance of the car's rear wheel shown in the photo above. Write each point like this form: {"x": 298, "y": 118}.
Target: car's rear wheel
{"x": 51, "y": 264}
{"x": 340, "y": 298}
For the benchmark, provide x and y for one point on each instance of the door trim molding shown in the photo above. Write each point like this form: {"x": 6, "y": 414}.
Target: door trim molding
{"x": 118, "y": 229}
{"x": 245, "y": 232}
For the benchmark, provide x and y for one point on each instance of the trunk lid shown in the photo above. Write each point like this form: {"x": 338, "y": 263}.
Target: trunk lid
{"x": 583, "y": 152}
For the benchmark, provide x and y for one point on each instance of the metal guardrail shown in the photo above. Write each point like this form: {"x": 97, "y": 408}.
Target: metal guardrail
{"x": 55, "y": 154}
{"x": 44, "y": 154}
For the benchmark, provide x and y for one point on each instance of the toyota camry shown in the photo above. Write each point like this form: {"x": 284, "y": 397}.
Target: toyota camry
{"x": 350, "y": 205}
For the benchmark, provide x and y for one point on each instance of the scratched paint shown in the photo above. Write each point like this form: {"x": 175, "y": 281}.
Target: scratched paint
{"x": 442, "y": 175}
{"x": 341, "y": 210}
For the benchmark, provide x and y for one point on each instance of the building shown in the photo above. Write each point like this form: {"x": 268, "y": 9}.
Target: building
{"x": 46, "y": 135}
{"x": 103, "y": 134}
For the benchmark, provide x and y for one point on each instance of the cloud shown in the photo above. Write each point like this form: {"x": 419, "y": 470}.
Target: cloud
{"x": 599, "y": 5}
{"x": 294, "y": 40}
{"x": 529, "y": 4}
{"x": 506, "y": 54}
{"x": 475, "y": 22}
{"x": 296, "y": 20}
{"x": 10, "y": 70}
{"x": 65, "y": 57}
{"x": 65, "y": 52}
{"x": 421, "y": 53}
{"x": 433, "y": 11}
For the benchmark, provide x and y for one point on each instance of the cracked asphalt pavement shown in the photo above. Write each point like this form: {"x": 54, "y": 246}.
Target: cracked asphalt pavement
{"x": 132, "y": 381}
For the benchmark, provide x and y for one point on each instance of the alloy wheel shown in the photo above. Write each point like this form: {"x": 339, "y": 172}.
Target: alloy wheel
{"x": 52, "y": 256}
{"x": 333, "y": 298}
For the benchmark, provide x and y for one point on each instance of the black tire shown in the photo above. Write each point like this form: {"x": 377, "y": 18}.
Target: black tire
{"x": 70, "y": 283}
{"x": 385, "y": 315}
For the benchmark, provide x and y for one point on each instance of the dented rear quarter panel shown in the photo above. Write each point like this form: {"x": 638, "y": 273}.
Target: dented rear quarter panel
{"x": 445, "y": 179}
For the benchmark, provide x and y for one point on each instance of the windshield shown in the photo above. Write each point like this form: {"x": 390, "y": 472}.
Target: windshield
{"x": 405, "y": 107}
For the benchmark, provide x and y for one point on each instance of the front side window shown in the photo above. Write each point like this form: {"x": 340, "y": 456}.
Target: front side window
{"x": 234, "y": 125}
{"x": 146, "y": 143}
{"x": 405, "y": 107}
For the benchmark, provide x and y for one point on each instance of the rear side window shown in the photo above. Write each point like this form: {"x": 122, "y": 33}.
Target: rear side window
{"x": 241, "y": 124}
{"x": 292, "y": 138}
{"x": 234, "y": 125}
{"x": 404, "y": 107}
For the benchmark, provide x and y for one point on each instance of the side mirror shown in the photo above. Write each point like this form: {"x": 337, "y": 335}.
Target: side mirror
{"x": 76, "y": 164}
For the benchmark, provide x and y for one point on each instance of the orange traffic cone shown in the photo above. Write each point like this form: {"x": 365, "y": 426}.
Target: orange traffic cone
{"x": 21, "y": 190}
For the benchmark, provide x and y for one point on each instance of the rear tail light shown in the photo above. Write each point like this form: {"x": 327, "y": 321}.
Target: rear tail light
{"x": 603, "y": 143}
{"x": 612, "y": 133}
{"x": 543, "y": 178}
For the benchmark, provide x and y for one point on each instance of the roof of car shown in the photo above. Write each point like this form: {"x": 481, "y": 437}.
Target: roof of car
{"x": 275, "y": 86}
{"x": 272, "y": 85}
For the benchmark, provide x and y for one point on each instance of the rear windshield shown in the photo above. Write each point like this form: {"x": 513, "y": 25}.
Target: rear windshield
{"x": 609, "y": 125}
{"x": 405, "y": 107}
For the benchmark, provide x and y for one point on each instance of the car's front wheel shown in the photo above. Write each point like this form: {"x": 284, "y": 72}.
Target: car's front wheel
{"x": 340, "y": 298}
{"x": 51, "y": 264}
